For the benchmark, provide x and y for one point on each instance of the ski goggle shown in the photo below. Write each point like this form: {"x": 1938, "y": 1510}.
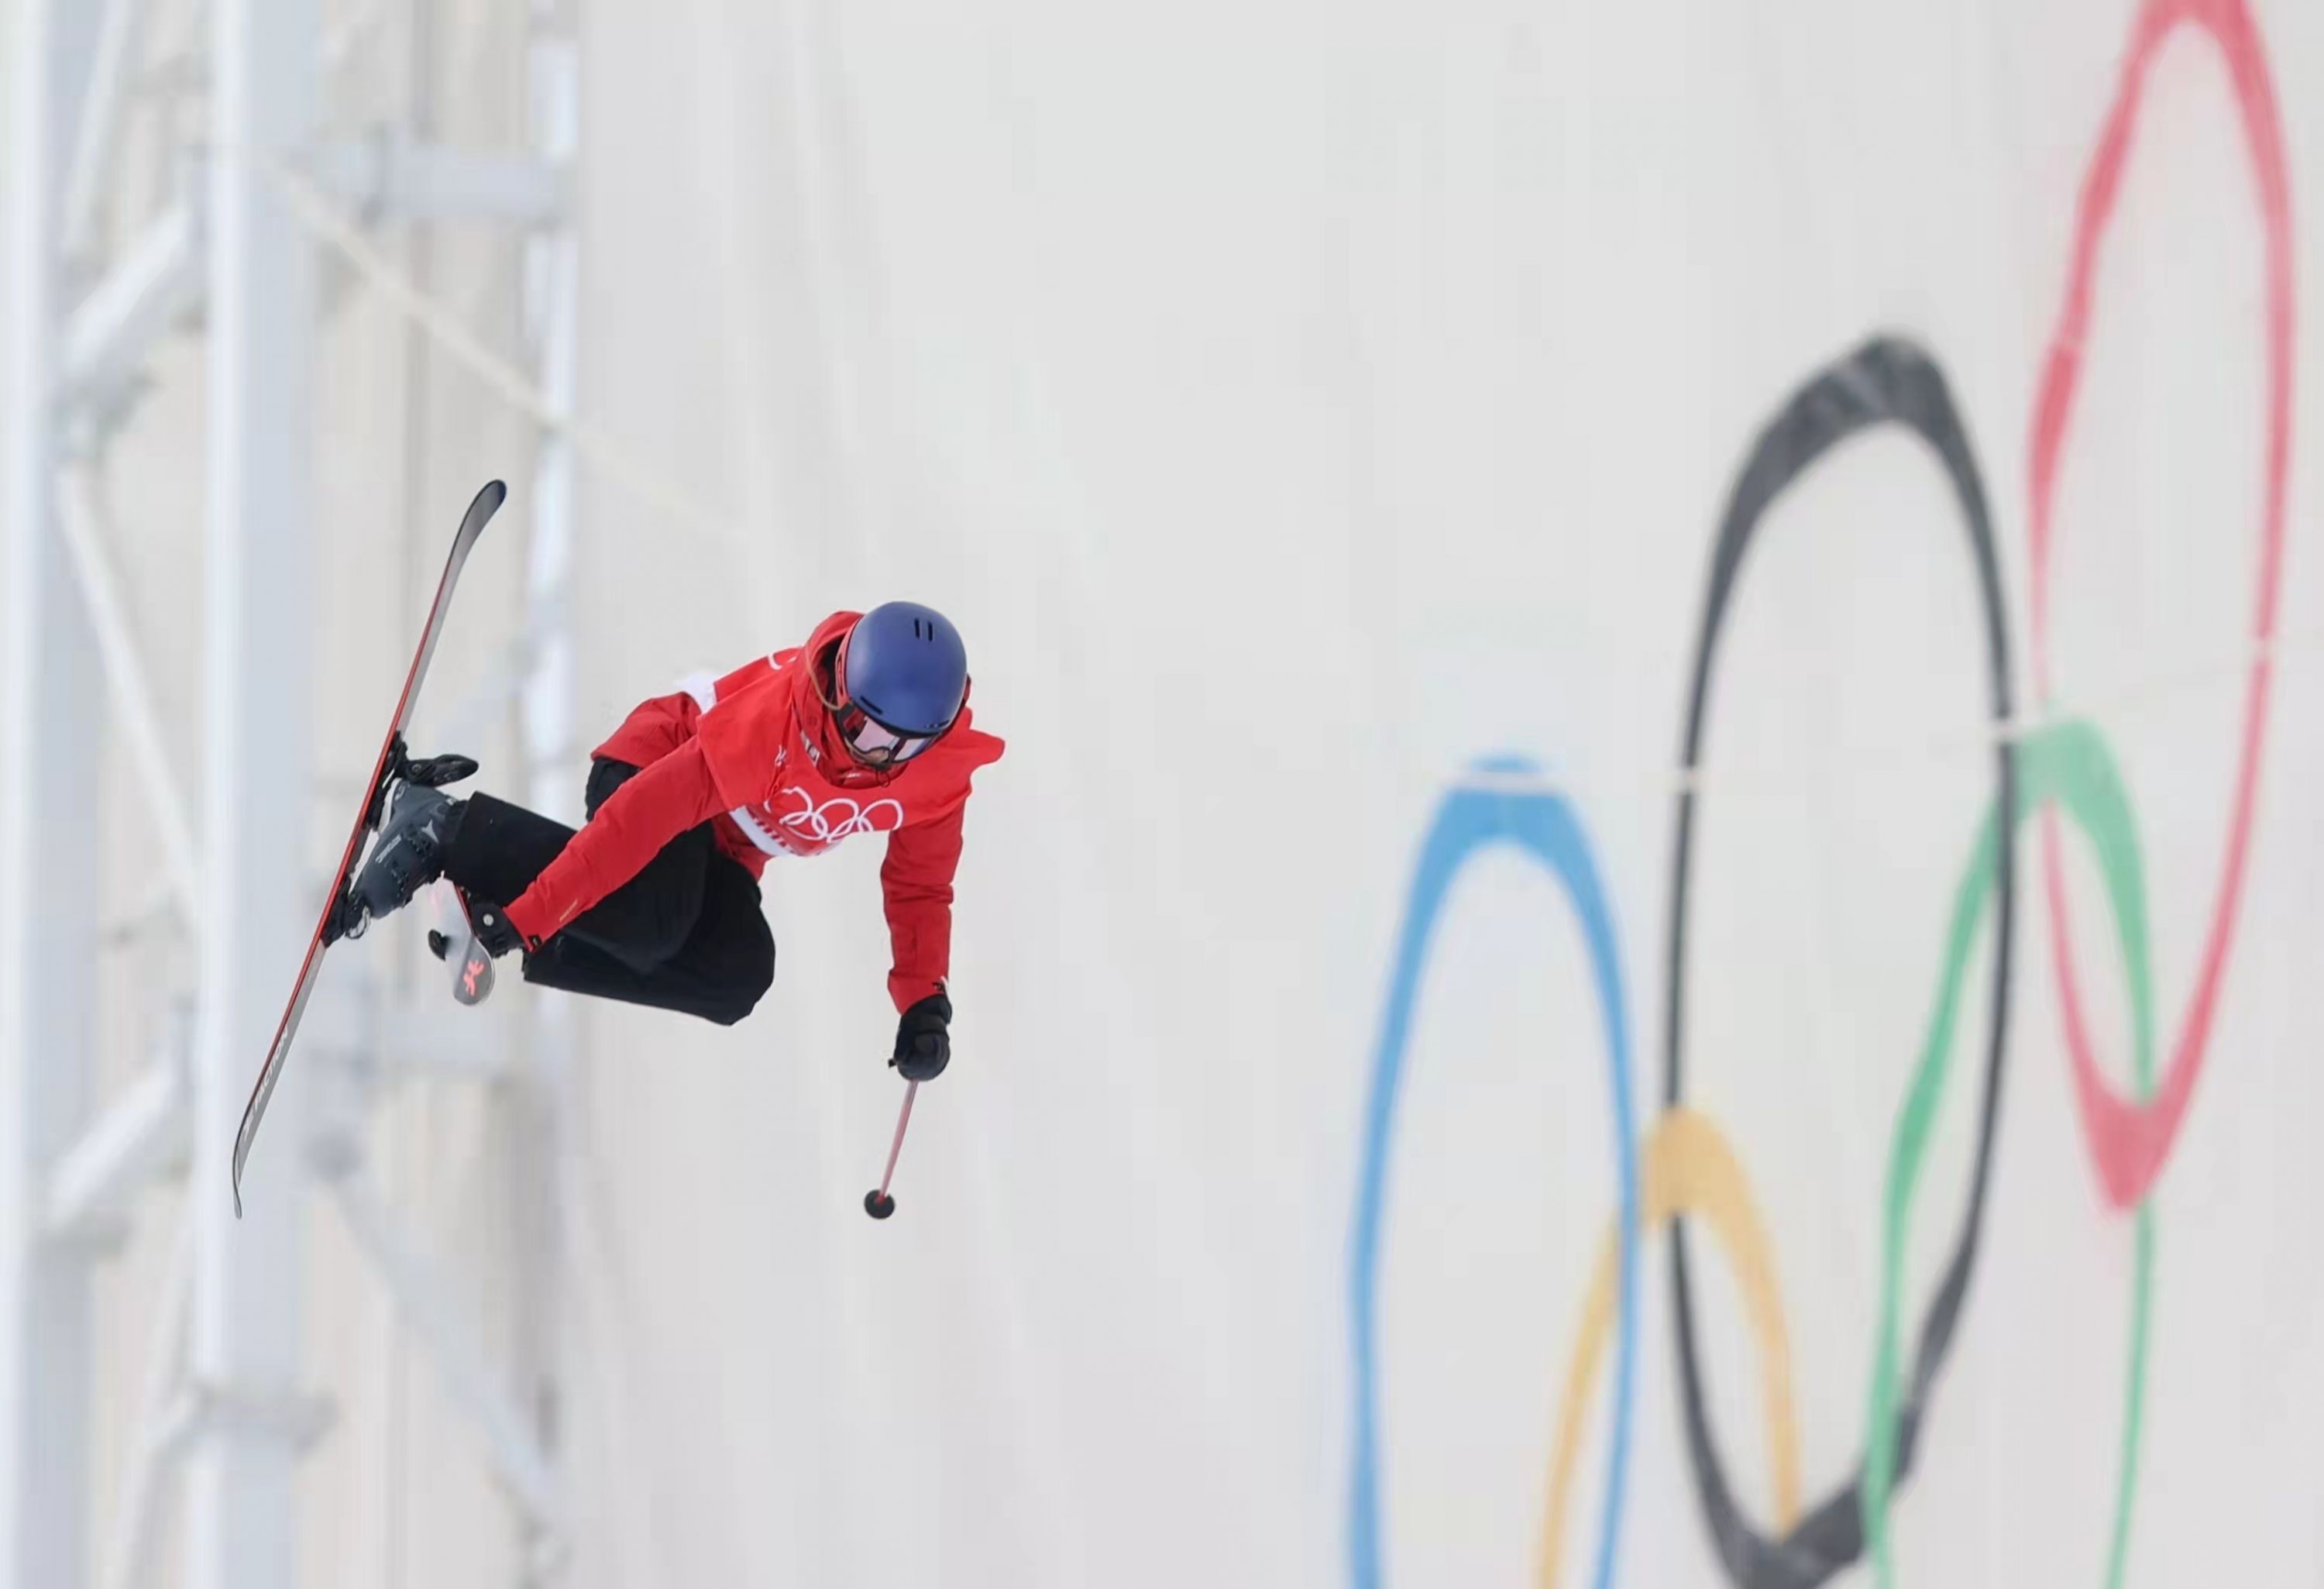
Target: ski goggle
{"x": 874, "y": 743}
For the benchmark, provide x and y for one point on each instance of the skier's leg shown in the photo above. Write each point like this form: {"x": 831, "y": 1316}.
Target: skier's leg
{"x": 648, "y": 920}
{"x": 687, "y": 933}
{"x": 719, "y": 973}
{"x": 732, "y": 950}
{"x": 499, "y": 848}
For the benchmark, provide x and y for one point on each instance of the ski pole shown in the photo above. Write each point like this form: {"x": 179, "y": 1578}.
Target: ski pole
{"x": 877, "y": 1204}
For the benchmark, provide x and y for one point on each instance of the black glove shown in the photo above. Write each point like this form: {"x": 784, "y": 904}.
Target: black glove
{"x": 493, "y": 930}
{"x": 923, "y": 1040}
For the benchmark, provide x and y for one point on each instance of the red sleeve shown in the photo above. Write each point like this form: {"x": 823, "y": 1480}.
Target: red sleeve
{"x": 674, "y": 794}
{"x": 652, "y": 730}
{"x": 917, "y": 881}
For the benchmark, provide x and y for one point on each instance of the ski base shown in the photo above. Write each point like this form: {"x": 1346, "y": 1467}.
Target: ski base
{"x": 340, "y": 917}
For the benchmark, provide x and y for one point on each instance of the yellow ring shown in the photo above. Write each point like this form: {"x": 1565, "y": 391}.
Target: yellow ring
{"x": 1689, "y": 1170}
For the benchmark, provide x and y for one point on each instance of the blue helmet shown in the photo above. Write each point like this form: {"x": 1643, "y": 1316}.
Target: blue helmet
{"x": 902, "y": 669}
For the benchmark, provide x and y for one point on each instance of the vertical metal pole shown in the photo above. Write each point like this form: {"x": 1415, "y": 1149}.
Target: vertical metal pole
{"x": 50, "y": 728}
{"x": 551, "y": 274}
{"x": 248, "y": 1275}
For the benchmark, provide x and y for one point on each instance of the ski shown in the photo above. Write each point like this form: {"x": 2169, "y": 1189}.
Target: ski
{"x": 472, "y": 968}
{"x": 472, "y": 973}
{"x": 340, "y": 917}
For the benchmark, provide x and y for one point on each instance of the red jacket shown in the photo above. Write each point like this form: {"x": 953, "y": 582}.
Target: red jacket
{"x": 756, "y": 754}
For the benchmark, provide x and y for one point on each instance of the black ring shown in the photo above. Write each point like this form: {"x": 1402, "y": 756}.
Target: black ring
{"x": 1885, "y": 382}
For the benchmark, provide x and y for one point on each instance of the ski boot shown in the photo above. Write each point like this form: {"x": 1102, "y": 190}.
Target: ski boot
{"x": 408, "y": 854}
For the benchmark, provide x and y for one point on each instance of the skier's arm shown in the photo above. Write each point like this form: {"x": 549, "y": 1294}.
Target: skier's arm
{"x": 647, "y": 812}
{"x": 653, "y": 729}
{"x": 917, "y": 881}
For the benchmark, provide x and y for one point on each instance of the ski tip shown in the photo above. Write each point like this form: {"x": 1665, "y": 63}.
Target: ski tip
{"x": 480, "y": 512}
{"x": 472, "y": 977}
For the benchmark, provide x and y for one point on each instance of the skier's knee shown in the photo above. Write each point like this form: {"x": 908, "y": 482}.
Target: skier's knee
{"x": 762, "y": 972}
{"x": 754, "y": 974}
{"x": 658, "y": 940}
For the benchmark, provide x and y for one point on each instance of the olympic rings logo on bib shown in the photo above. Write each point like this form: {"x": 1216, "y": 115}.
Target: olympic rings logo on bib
{"x": 824, "y": 826}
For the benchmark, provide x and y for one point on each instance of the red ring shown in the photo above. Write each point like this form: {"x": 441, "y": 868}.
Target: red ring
{"x": 2130, "y": 1141}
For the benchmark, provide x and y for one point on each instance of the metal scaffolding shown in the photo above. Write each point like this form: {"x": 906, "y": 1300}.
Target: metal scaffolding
{"x": 226, "y": 1409}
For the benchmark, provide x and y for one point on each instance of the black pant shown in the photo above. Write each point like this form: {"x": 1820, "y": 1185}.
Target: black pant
{"x": 685, "y": 934}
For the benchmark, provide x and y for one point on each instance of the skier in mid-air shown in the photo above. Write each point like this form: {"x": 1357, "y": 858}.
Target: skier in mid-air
{"x": 655, "y": 900}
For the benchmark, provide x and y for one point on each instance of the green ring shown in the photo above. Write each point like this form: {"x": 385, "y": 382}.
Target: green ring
{"x": 2068, "y": 763}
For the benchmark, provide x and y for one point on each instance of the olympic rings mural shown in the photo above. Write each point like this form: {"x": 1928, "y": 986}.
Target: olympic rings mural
{"x": 1684, "y": 1169}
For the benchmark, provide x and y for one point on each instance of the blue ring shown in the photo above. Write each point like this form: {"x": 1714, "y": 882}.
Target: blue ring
{"x": 1542, "y": 824}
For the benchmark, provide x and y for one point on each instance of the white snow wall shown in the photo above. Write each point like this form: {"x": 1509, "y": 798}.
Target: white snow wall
{"x": 1301, "y": 407}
